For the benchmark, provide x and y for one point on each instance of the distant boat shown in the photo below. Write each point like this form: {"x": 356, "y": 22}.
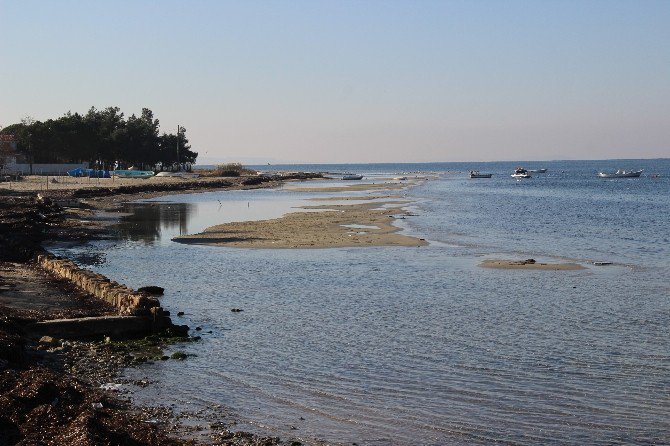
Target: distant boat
{"x": 520, "y": 172}
{"x": 476, "y": 174}
{"x": 130, "y": 173}
{"x": 538, "y": 171}
{"x": 621, "y": 174}
{"x": 351, "y": 176}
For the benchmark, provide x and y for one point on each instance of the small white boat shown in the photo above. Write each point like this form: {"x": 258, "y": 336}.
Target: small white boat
{"x": 476, "y": 174}
{"x": 351, "y": 176}
{"x": 178, "y": 174}
{"x": 130, "y": 173}
{"x": 538, "y": 171}
{"x": 621, "y": 174}
{"x": 520, "y": 172}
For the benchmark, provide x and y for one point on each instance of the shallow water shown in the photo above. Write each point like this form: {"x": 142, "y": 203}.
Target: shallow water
{"x": 419, "y": 345}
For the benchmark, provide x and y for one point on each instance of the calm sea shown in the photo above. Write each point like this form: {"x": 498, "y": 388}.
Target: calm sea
{"x": 408, "y": 346}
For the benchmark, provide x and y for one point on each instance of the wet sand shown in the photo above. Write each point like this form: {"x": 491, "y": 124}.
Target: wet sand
{"x": 527, "y": 264}
{"x": 351, "y": 187}
{"x": 321, "y": 229}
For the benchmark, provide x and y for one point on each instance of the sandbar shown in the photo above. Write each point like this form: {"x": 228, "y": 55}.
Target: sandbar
{"x": 322, "y": 228}
{"x": 350, "y": 187}
{"x": 529, "y": 264}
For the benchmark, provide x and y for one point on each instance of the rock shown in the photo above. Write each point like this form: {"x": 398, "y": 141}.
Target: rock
{"x": 178, "y": 355}
{"x": 530, "y": 261}
{"x": 48, "y": 340}
{"x": 152, "y": 289}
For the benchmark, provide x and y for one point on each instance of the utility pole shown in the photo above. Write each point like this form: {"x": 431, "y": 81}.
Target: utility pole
{"x": 30, "y": 152}
{"x": 178, "y": 166}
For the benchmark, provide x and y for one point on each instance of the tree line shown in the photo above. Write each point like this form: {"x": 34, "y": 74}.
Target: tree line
{"x": 103, "y": 138}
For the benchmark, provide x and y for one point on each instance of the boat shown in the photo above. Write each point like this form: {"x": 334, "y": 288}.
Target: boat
{"x": 91, "y": 173}
{"x": 520, "y": 172}
{"x": 131, "y": 173}
{"x": 178, "y": 174}
{"x": 538, "y": 171}
{"x": 476, "y": 174}
{"x": 621, "y": 174}
{"x": 351, "y": 176}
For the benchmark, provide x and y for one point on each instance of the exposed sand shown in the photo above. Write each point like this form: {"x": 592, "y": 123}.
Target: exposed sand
{"x": 350, "y": 187}
{"x": 527, "y": 264}
{"x": 365, "y": 198}
{"x": 322, "y": 229}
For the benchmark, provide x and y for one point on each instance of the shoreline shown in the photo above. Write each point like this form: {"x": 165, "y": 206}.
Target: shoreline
{"x": 29, "y": 293}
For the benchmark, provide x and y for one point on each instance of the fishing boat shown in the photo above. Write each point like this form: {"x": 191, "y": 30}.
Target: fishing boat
{"x": 621, "y": 174}
{"x": 520, "y": 173}
{"x": 352, "y": 176}
{"x": 131, "y": 173}
{"x": 476, "y": 174}
{"x": 178, "y": 174}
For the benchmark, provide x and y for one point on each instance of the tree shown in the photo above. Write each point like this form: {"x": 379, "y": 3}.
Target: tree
{"x": 101, "y": 137}
{"x": 175, "y": 149}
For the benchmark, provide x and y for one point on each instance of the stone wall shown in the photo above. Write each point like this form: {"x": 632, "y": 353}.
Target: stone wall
{"x": 128, "y": 301}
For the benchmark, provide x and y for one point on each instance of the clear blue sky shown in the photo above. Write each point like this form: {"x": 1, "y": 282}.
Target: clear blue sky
{"x": 355, "y": 81}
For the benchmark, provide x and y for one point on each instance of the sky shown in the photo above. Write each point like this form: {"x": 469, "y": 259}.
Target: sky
{"x": 354, "y": 81}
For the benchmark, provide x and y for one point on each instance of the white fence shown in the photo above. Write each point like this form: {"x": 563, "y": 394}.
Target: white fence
{"x": 42, "y": 169}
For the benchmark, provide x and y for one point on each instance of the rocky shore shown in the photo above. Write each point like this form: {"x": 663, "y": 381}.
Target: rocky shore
{"x": 54, "y": 390}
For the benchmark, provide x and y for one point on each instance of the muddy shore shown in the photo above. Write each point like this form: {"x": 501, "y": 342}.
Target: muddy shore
{"x": 50, "y": 389}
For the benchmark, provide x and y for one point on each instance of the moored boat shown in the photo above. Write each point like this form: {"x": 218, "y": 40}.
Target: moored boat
{"x": 520, "y": 172}
{"x": 130, "y": 173}
{"x": 178, "y": 174}
{"x": 477, "y": 174}
{"x": 621, "y": 174}
{"x": 351, "y": 176}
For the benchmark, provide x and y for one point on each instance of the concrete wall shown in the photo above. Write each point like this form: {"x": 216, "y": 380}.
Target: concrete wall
{"x": 118, "y": 327}
{"x": 128, "y": 301}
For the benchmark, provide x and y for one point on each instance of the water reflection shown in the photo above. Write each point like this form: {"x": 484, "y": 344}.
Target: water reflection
{"x": 89, "y": 258}
{"x": 151, "y": 222}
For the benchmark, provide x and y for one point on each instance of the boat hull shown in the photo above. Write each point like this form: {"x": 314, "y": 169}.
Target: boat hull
{"x": 132, "y": 173}
{"x": 178, "y": 174}
{"x": 635, "y": 174}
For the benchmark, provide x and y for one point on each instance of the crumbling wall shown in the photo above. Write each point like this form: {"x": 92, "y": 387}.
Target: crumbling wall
{"x": 127, "y": 300}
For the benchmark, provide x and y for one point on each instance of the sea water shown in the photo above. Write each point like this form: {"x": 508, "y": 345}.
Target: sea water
{"x": 420, "y": 345}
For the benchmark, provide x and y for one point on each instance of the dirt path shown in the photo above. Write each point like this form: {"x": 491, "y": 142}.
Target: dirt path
{"x": 32, "y": 293}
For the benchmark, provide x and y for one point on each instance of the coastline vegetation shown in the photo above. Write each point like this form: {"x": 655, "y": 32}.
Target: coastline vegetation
{"x": 230, "y": 170}
{"x": 103, "y": 138}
